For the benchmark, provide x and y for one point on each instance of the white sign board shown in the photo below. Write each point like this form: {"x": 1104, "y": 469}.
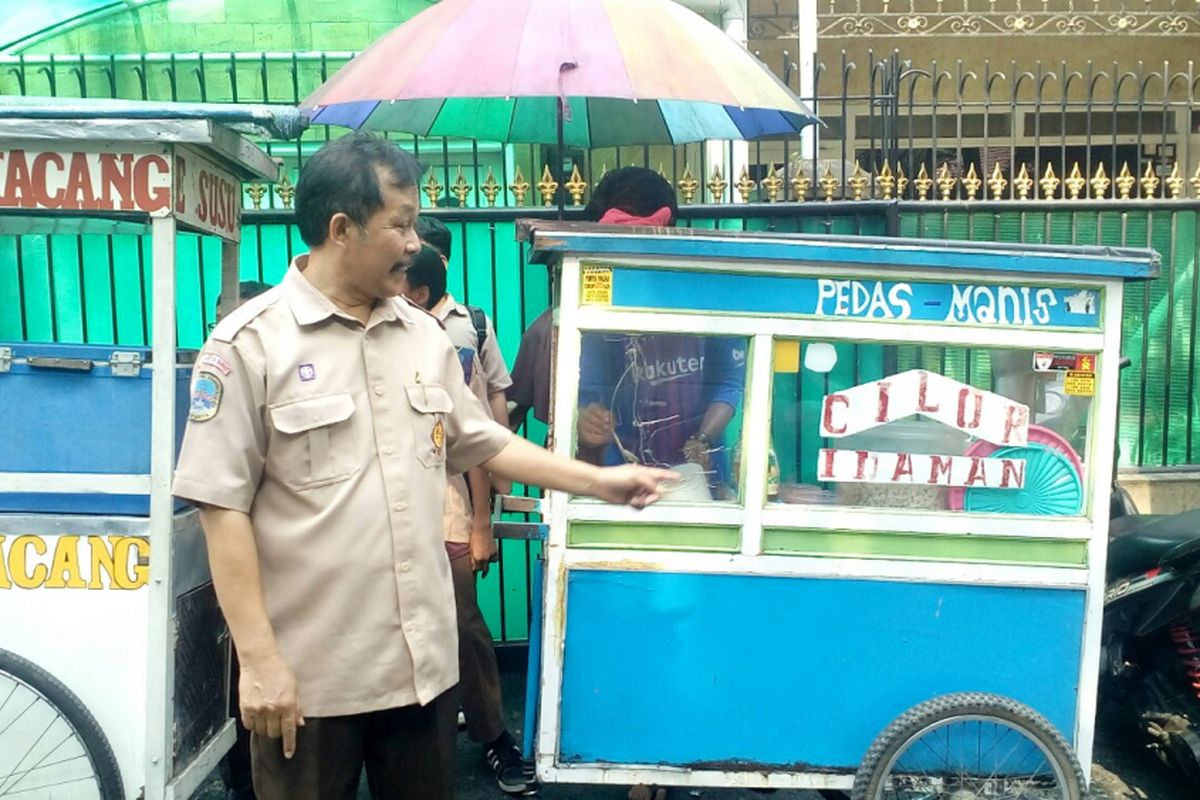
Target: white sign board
{"x": 153, "y": 181}
{"x": 985, "y": 415}
{"x": 865, "y": 466}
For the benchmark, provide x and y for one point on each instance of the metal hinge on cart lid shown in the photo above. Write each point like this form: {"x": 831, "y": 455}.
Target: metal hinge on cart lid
{"x": 5, "y": 359}
{"x": 125, "y": 364}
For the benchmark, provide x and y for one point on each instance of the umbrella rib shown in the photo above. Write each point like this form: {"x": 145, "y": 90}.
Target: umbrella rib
{"x": 666, "y": 126}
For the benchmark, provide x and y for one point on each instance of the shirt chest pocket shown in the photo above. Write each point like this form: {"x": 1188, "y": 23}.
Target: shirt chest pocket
{"x": 430, "y": 404}
{"x": 314, "y": 440}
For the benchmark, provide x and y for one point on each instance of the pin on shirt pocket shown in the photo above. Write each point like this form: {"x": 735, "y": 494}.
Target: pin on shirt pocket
{"x": 430, "y": 403}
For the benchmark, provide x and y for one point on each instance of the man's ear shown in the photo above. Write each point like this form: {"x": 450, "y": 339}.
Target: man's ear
{"x": 339, "y": 228}
{"x": 420, "y": 296}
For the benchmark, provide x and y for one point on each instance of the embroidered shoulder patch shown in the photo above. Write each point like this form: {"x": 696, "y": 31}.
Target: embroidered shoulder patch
{"x": 206, "y": 397}
{"x": 216, "y": 362}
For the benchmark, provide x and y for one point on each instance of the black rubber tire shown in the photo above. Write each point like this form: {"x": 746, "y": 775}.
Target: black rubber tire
{"x": 898, "y": 735}
{"x": 104, "y": 763}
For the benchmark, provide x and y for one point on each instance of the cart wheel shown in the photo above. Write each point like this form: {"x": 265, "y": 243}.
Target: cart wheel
{"x": 968, "y": 746}
{"x": 48, "y": 738}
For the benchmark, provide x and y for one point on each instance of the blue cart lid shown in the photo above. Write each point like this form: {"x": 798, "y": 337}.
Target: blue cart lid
{"x": 549, "y": 241}
{"x": 102, "y": 353}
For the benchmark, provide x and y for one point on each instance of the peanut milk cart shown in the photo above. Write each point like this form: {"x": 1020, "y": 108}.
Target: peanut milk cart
{"x": 114, "y": 657}
{"x": 881, "y": 570}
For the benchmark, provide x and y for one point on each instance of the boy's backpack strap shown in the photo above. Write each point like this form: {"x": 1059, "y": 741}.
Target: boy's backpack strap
{"x": 479, "y": 320}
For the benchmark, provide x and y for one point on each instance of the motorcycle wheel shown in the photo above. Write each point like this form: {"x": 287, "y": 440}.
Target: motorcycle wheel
{"x": 968, "y": 746}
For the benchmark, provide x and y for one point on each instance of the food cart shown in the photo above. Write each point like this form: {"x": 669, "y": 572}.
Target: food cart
{"x": 114, "y": 657}
{"x": 884, "y": 571}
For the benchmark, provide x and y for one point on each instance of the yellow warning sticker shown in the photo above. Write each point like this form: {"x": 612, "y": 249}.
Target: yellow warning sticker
{"x": 1080, "y": 384}
{"x": 597, "y": 286}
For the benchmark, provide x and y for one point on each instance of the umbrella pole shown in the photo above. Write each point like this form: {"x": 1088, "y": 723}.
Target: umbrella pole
{"x": 558, "y": 168}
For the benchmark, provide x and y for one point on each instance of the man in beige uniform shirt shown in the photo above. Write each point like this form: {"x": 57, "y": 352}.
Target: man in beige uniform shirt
{"x": 324, "y": 414}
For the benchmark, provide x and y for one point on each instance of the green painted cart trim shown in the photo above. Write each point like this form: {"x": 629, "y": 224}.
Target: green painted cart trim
{"x": 927, "y": 547}
{"x": 643, "y": 536}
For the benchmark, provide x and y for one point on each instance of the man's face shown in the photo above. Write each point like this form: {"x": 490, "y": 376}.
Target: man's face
{"x": 379, "y": 252}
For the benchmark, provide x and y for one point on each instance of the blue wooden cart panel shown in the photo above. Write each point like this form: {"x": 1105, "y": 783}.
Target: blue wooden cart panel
{"x": 736, "y": 671}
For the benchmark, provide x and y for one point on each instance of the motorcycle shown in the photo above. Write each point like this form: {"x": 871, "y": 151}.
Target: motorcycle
{"x": 1150, "y": 659}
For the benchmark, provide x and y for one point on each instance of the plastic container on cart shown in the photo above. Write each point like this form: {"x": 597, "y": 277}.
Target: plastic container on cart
{"x": 69, "y": 408}
{"x": 912, "y": 435}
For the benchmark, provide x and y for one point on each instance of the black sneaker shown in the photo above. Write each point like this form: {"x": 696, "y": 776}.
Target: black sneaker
{"x": 513, "y": 775}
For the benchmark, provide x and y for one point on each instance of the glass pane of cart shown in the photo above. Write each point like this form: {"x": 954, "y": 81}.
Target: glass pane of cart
{"x": 930, "y": 427}
{"x": 669, "y": 400}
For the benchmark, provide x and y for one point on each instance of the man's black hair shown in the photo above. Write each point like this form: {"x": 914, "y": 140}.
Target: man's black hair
{"x": 634, "y": 190}
{"x": 434, "y": 233}
{"x": 341, "y": 177}
{"x": 428, "y": 270}
{"x": 248, "y": 289}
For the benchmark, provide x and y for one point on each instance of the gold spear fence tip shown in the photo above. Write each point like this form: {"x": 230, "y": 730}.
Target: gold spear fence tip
{"x": 922, "y": 183}
{"x": 256, "y": 191}
{"x": 519, "y": 187}
{"x": 576, "y": 186}
{"x": 772, "y": 185}
{"x": 745, "y": 184}
{"x": 491, "y": 188}
{"x": 858, "y": 181}
{"x": 901, "y": 180}
{"x": 285, "y": 190}
{"x": 1075, "y": 182}
{"x": 886, "y": 181}
{"x": 717, "y": 185}
{"x": 460, "y": 187}
{"x": 997, "y": 182}
{"x": 1023, "y": 184}
{"x": 946, "y": 181}
{"x": 433, "y": 189}
{"x": 1049, "y": 182}
{"x": 1149, "y": 181}
{"x": 1175, "y": 182}
{"x": 688, "y": 184}
{"x": 801, "y": 183}
{"x": 547, "y": 186}
{"x": 1125, "y": 181}
{"x": 828, "y": 184}
{"x": 971, "y": 183}
{"x": 1100, "y": 183}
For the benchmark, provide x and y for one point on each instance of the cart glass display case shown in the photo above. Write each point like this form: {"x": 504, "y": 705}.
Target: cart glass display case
{"x": 885, "y": 449}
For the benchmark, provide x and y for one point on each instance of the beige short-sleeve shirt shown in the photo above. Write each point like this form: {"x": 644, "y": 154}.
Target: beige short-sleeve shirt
{"x": 456, "y": 317}
{"x": 460, "y": 511}
{"x": 336, "y": 439}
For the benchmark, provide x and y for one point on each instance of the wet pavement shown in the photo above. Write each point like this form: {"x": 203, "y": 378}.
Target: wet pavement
{"x": 1124, "y": 768}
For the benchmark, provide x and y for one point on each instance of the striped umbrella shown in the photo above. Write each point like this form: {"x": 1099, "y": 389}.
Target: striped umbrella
{"x": 610, "y": 72}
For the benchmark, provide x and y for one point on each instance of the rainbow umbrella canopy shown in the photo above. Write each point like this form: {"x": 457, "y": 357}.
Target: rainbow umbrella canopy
{"x": 596, "y": 73}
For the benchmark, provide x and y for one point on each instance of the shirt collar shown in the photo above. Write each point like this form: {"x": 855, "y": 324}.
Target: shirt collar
{"x": 450, "y": 306}
{"x": 310, "y": 306}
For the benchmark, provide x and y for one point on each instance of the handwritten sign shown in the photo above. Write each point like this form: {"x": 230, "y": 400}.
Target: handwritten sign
{"x": 982, "y": 414}
{"x": 206, "y": 196}
{"x": 78, "y": 181}
{"x": 200, "y": 193}
{"x": 1010, "y": 306}
{"x": 865, "y": 466}
{"x": 73, "y": 562}
{"x": 963, "y": 302}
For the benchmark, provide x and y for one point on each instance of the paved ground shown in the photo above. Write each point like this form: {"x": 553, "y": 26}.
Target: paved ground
{"x": 1124, "y": 770}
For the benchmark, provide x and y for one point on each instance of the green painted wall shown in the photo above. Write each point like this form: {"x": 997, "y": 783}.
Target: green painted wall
{"x": 240, "y": 25}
